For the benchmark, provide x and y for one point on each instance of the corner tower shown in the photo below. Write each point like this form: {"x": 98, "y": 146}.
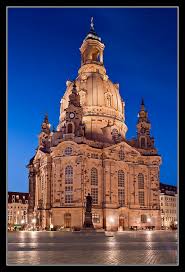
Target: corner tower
{"x": 144, "y": 139}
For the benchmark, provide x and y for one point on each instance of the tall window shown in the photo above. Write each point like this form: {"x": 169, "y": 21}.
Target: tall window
{"x": 94, "y": 185}
{"x": 69, "y": 188}
{"x": 121, "y": 178}
{"x": 94, "y": 176}
{"x": 141, "y": 198}
{"x": 68, "y": 194}
{"x": 94, "y": 194}
{"x": 121, "y": 188}
{"x": 140, "y": 181}
{"x": 69, "y": 128}
{"x": 69, "y": 174}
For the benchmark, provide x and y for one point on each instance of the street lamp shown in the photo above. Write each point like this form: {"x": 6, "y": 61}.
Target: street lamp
{"x": 111, "y": 219}
{"x": 33, "y": 221}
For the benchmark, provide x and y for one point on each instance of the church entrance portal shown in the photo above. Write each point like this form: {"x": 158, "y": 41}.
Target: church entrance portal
{"x": 121, "y": 222}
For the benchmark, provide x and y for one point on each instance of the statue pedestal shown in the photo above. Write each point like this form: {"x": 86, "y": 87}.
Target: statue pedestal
{"x": 88, "y": 224}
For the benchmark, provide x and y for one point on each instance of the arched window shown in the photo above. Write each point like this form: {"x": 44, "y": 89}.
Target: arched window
{"x": 140, "y": 181}
{"x": 94, "y": 177}
{"x": 69, "y": 128}
{"x": 94, "y": 184}
{"x": 121, "y": 178}
{"x": 121, "y": 189}
{"x": 69, "y": 174}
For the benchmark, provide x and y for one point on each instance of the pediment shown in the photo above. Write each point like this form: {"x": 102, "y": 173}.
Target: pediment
{"x": 123, "y": 146}
{"x": 59, "y": 150}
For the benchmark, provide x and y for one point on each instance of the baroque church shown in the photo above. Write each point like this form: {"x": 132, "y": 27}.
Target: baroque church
{"x": 89, "y": 153}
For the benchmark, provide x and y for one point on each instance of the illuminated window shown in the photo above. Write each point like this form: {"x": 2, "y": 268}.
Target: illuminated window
{"x": 121, "y": 197}
{"x": 94, "y": 177}
{"x": 69, "y": 180}
{"x": 68, "y": 151}
{"x": 94, "y": 194}
{"x": 68, "y": 194}
{"x": 140, "y": 181}
{"x": 121, "y": 189}
{"x": 69, "y": 174}
{"x": 141, "y": 198}
{"x": 96, "y": 218}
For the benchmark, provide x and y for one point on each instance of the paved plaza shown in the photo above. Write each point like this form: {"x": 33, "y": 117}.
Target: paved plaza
{"x": 73, "y": 248}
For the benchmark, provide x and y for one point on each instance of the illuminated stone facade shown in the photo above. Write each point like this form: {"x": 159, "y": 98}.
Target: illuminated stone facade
{"x": 17, "y": 208}
{"x": 90, "y": 154}
{"x": 168, "y": 204}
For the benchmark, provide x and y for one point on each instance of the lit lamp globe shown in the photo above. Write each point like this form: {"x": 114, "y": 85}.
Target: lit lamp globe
{"x": 22, "y": 221}
{"x": 33, "y": 220}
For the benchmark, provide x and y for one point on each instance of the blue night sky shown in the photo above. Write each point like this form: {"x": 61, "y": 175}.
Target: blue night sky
{"x": 43, "y": 52}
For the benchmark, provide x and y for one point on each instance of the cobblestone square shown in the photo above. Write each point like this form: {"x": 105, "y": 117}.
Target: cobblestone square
{"x": 75, "y": 248}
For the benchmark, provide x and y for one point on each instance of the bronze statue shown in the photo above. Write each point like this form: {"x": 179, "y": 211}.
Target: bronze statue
{"x": 88, "y": 203}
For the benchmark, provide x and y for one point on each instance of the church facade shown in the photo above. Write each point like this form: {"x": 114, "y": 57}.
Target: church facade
{"x": 89, "y": 153}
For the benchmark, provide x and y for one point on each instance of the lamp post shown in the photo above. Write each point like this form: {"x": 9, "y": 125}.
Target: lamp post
{"x": 34, "y": 221}
{"x": 149, "y": 220}
{"x": 111, "y": 219}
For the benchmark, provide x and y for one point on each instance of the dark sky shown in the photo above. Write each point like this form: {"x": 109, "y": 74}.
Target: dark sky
{"x": 43, "y": 52}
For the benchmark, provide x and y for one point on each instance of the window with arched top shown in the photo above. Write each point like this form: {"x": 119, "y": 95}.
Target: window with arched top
{"x": 69, "y": 174}
{"x": 94, "y": 185}
{"x": 121, "y": 188}
{"x": 140, "y": 181}
{"x": 94, "y": 176}
{"x": 69, "y": 128}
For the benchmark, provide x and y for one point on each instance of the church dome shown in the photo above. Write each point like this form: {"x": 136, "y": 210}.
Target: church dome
{"x": 99, "y": 96}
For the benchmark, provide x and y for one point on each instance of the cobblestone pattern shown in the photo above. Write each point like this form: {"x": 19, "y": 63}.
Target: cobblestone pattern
{"x": 74, "y": 248}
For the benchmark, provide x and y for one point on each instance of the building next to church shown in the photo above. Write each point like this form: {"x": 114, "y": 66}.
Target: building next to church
{"x": 169, "y": 204}
{"x": 17, "y": 209}
{"x": 89, "y": 153}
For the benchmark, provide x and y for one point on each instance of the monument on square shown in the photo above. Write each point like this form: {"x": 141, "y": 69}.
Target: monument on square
{"x": 88, "y": 224}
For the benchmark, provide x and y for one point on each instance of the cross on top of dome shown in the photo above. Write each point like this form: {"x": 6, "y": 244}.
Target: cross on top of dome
{"x": 92, "y": 34}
